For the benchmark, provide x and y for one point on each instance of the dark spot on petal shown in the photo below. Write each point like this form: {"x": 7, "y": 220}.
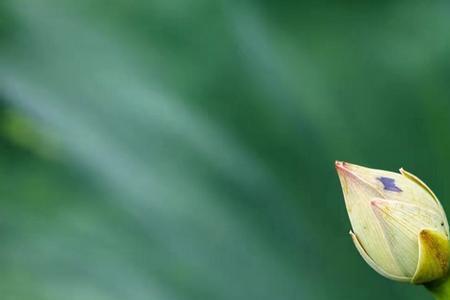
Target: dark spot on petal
{"x": 389, "y": 184}
{"x": 442, "y": 223}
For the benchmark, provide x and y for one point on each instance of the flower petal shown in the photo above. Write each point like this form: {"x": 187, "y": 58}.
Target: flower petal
{"x": 357, "y": 195}
{"x": 395, "y": 186}
{"x": 372, "y": 264}
{"x": 433, "y": 256}
{"x": 402, "y": 223}
{"x": 417, "y": 180}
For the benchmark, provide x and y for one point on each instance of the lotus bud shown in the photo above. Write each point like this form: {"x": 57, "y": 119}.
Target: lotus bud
{"x": 398, "y": 225}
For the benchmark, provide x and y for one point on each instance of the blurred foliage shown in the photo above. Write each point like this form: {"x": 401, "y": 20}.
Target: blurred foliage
{"x": 172, "y": 149}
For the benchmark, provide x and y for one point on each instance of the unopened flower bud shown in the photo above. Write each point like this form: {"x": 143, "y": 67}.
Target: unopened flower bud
{"x": 398, "y": 225}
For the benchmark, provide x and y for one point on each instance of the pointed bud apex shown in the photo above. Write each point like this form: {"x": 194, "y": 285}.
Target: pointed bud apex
{"x": 399, "y": 226}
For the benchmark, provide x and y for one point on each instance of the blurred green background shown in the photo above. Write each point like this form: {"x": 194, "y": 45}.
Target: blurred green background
{"x": 184, "y": 149}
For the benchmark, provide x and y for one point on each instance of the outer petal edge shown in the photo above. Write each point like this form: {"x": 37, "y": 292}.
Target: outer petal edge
{"x": 372, "y": 264}
{"x": 417, "y": 180}
{"x": 433, "y": 256}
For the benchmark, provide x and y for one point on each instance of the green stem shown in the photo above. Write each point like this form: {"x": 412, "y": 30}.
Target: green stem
{"x": 440, "y": 288}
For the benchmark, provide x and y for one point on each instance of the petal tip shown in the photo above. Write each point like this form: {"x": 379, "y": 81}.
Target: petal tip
{"x": 377, "y": 204}
{"x": 342, "y": 166}
{"x": 339, "y": 164}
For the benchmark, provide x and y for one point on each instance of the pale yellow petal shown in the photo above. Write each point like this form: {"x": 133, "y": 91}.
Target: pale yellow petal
{"x": 357, "y": 195}
{"x": 402, "y": 223}
{"x": 372, "y": 264}
{"x": 417, "y": 180}
{"x": 406, "y": 189}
